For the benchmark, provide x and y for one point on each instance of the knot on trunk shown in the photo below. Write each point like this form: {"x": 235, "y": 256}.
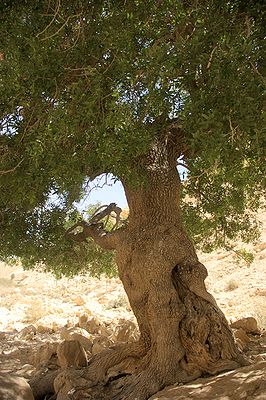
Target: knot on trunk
{"x": 190, "y": 275}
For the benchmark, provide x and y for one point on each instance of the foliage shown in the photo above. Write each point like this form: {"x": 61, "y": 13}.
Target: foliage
{"x": 87, "y": 86}
{"x": 245, "y": 255}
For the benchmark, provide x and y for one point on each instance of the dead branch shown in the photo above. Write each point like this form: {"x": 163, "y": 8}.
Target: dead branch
{"x": 107, "y": 210}
{"x": 94, "y": 228}
{"x": 211, "y": 56}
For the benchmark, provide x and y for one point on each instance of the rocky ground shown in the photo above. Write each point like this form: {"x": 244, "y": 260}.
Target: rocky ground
{"x": 38, "y": 313}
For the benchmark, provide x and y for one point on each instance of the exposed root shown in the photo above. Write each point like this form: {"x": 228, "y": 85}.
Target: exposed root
{"x": 116, "y": 360}
{"x": 182, "y": 346}
{"x": 139, "y": 386}
{"x": 136, "y": 387}
{"x": 42, "y": 384}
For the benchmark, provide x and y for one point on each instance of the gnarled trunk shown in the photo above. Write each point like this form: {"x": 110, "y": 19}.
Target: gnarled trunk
{"x": 183, "y": 333}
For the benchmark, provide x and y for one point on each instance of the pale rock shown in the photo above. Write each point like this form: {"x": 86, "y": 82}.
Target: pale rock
{"x": 249, "y": 325}
{"x": 79, "y": 334}
{"x": 26, "y": 371}
{"x": 3, "y": 336}
{"x": 92, "y": 325}
{"x": 260, "y": 247}
{"x": 55, "y": 326}
{"x": 83, "y": 319}
{"x": 101, "y": 343}
{"x": 86, "y": 310}
{"x": 79, "y": 301}
{"x": 70, "y": 353}
{"x": 262, "y": 256}
{"x": 241, "y": 335}
{"x": 14, "y": 388}
{"x": 44, "y": 329}
{"x": 44, "y": 354}
{"x": 71, "y": 322}
{"x": 95, "y": 326}
{"x": 126, "y": 331}
{"x": 28, "y": 332}
{"x": 260, "y": 292}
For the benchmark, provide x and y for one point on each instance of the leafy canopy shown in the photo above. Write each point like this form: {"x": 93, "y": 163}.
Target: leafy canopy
{"x": 87, "y": 86}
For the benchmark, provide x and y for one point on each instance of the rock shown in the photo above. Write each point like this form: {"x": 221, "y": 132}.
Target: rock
{"x": 26, "y": 371}
{"x": 260, "y": 247}
{"x": 249, "y": 325}
{"x": 44, "y": 354}
{"x": 83, "y": 319}
{"x": 70, "y": 353}
{"x": 262, "y": 256}
{"x": 260, "y": 292}
{"x": 79, "y": 301}
{"x": 241, "y": 335}
{"x": 92, "y": 325}
{"x": 28, "y": 332}
{"x": 14, "y": 388}
{"x": 101, "y": 343}
{"x": 126, "y": 331}
{"x": 3, "y": 335}
{"x": 79, "y": 334}
{"x": 44, "y": 329}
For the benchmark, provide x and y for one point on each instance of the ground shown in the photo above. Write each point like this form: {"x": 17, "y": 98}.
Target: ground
{"x": 32, "y": 298}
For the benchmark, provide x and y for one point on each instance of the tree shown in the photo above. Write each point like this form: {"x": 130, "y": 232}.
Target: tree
{"x": 135, "y": 88}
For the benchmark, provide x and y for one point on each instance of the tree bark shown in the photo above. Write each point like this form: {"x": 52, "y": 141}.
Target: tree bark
{"x": 183, "y": 333}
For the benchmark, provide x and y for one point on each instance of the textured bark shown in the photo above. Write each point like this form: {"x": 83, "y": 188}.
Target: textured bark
{"x": 42, "y": 384}
{"x": 183, "y": 333}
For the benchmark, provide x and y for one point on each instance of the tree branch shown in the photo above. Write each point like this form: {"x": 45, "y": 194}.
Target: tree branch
{"x": 183, "y": 165}
{"x": 95, "y": 228}
{"x": 12, "y": 169}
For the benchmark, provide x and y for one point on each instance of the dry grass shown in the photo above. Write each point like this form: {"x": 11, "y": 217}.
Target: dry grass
{"x": 231, "y": 285}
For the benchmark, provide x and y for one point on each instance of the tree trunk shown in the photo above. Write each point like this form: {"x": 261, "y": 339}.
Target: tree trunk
{"x": 183, "y": 333}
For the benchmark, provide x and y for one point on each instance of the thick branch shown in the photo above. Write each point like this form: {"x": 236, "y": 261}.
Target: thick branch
{"x": 95, "y": 228}
{"x": 106, "y": 240}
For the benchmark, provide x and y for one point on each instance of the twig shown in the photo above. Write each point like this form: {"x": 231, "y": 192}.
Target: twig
{"x": 211, "y": 56}
{"x": 50, "y": 23}
{"x": 256, "y": 71}
{"x": 233, "y": 130}
{"x": 248, "y": 25}
{"x": 12, "y": 169}
{"x": 61, "y": 27}
{"x": 77, "y": 38}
